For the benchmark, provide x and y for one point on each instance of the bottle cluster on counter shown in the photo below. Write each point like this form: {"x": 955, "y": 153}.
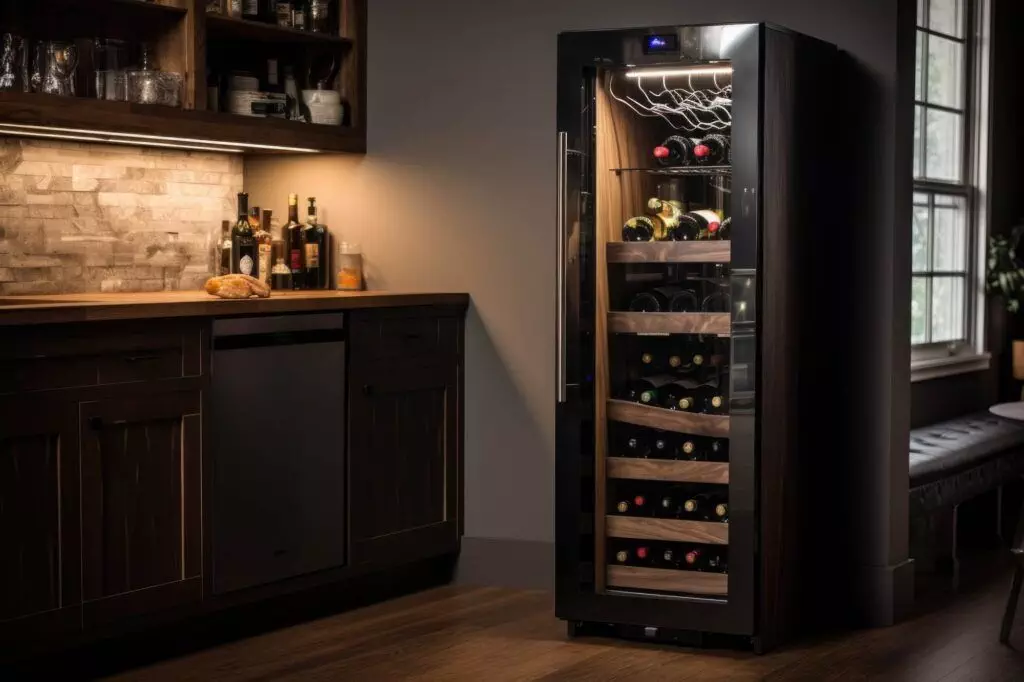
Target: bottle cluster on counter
{"x": 299, "y": 258}
{"x": 302, "y": 15}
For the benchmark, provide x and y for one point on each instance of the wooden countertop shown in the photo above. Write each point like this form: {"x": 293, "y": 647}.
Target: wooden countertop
{"x": 65, "y": 308}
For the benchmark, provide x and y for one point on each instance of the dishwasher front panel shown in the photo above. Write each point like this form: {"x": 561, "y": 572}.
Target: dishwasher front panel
{"x": 278, "y": 449}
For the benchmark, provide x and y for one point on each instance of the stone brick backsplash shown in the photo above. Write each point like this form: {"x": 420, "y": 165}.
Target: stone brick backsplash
{"x": 78, "y": 218}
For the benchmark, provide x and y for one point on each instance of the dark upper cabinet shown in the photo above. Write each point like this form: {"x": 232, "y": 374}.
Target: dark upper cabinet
{"x": 39, "y": 567}
{"x": 141, "y": 504}
{"x": 404, "y": 445}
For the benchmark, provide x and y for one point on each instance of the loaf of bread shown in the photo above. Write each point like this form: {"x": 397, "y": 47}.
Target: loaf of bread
{"x": 236, "y": 286}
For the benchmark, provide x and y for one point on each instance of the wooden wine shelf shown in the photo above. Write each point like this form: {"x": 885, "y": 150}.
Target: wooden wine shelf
{"x": 664, "y": 580}
{"x": 670, "y": 252}
{"x": 220, "y": 26}
{"x": 668, "y": 420}
{"x": 670, "y": 530}
{"x": 667, "y": 470}
{"x": 718, "y": 324}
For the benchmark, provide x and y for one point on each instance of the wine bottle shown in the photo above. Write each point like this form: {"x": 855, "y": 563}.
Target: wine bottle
{"x": 662, "y": 446}
{"x": 713, "y": 150}
{"x": 293, "y": 239}
{"x": 645, "y": 391}
{"x": 715, "y": 302}
{"x": 700, "y": 559}
{"x": 675, "y": 151}
{"x": 722, "y": 512}
{"x": 671, "y": 504}
{"x": 667, "y": 213}
{"x": 718, "y": 450}
{"x": 670, "y": 558}
{"x": 251, "y": 9}
{"x": 264, "y": 243}
{"x": 280, "y": 275}
{"x": 691, "y": 451}
{"x": 680, "y": 395}
{"x": 724, "y": 230}
{"x": 637, "y": 446}
{"x": 710, "y": 399}
{"x": 702, "y": 506}
{"x": 662, "y": 299}
{"x": 225, "y": 248}
{"x": 244, "y": 254}
{"x": 702, "y": 223}
{"x": 638, "y": 229}
{"x": 635, "y": 505}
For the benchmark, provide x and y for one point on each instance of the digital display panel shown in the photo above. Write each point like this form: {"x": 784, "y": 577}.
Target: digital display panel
{"x": 661, "y": 43}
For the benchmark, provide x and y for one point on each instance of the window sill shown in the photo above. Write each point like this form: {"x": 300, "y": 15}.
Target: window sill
{"x": 924, "y": 370}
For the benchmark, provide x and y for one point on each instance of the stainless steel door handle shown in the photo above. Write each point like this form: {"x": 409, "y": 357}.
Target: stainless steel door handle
{"x": 560, "y": 288}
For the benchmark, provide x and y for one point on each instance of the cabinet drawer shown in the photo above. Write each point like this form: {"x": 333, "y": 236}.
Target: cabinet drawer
{"x": 405, "y": 336}
{"x": 69, "y": 357}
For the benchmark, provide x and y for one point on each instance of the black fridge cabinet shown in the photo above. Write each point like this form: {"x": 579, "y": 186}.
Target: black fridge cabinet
{"x": 629, "y": 516}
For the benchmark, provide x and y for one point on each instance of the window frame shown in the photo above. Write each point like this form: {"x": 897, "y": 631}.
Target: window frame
{"x": 932, "y": 359}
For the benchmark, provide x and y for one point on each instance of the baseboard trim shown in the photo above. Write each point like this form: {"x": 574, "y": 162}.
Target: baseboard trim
{"x": 499, "y": 562}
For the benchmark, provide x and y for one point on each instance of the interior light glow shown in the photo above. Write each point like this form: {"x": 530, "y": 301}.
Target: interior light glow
{"x": 210, "y": 145}
{"x": 685, "y": 71}
{"x": 114, "y": 140}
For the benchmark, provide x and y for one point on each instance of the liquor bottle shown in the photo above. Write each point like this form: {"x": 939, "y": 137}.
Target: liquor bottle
{"x": 300, "y": 15}
{"x": 699, "y": 224}
{"x": 235, "y": 8}
{"x": 315, "y": 241}
{"x": 291, "y": 91}
{"x": 251, "y": 10}
{"x": 713, "y": 150}
{"x": 646, "y": 391}
{"x": 284, "y": 14}
{"x": 264, "y": 242}
{"x": 244, "y": 254}
{"x": 224, "y": 247}
{"x": 319, "y": 16}
{"x": 675, "y": 151}
{"x": 293, "y": 242}
{"x": 280, "y": 275}
{"x": 639, "y": 229}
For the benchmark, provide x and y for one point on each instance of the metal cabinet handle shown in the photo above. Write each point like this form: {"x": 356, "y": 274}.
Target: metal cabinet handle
{"x": 560, "y": 206}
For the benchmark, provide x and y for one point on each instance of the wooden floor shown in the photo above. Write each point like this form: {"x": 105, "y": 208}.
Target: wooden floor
{"x": 493, "y": 635}
{"x": 497, "y": 635}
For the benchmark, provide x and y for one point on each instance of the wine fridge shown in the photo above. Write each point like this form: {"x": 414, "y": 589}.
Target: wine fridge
{"x": 693, "y": 172}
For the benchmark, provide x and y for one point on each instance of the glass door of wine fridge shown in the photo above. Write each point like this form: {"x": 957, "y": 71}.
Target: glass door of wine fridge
{"x": 658, "y": 223}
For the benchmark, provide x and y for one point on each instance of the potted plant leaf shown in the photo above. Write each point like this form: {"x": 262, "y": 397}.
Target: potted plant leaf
{"x": 1005, "y": 281}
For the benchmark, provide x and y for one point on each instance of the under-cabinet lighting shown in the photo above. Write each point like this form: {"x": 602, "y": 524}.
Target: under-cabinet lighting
{"x": 114, "y": 140}
{"x": 687, "y": 71}
{"x": 163, "y": 140}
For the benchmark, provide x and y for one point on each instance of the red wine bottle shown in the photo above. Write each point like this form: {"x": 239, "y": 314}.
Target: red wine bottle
{"x": 713, "y": 150}
{"x": 704, "y": 222}
{"x": 675, "y": 151}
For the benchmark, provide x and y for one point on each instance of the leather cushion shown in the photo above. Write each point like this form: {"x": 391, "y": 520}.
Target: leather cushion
{"x": 947, "y": 449}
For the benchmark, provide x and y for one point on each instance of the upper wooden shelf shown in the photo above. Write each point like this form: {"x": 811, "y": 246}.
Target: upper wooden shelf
{"x": 670, "y": 252}
{"x": 187, "y": 40}
{"x": 669, "y": 530}
{"x": 220, "y": 26}
{"x": 664, "y": 580}
{"x": 677, "y": 471}
{"x": 717, "y": 324}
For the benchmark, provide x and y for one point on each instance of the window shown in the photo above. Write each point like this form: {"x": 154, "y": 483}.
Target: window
{"x": 949, "y": 115}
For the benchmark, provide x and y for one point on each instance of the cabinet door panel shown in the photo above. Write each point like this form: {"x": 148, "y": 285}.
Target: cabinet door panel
{"x": 38, "y": 530}
{"x": 140, "y": 496}
{"x": 403, "y": 464}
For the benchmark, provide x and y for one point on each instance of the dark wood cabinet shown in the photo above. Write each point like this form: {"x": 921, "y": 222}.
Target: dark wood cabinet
{"x": 39, "y": 555}
{"x": 141, "y": 504}
{"x": 404, "y": 440}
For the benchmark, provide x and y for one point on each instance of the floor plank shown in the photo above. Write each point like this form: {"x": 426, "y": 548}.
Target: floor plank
{"x": 470, "y": 634}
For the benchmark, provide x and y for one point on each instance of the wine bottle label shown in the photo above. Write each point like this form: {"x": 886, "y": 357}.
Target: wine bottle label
{"x": 721, "y": 510}
{"x": 622, "y": 557}
{"x": 265, "y": 253}
{"x": 245, "y": 264}
{"x": 295, "y": 260}
{"x": 312, "y": 255}
{"x": 298, "y": 19}
{"x": 622, "y": 507}
{"x": 284, "y": 14}
{"x": 689, "y": 447}
{"x": 250, "y": 7}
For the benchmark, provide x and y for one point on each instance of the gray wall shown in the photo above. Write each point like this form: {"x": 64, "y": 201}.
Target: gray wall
{"x": 457, "y": 192}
